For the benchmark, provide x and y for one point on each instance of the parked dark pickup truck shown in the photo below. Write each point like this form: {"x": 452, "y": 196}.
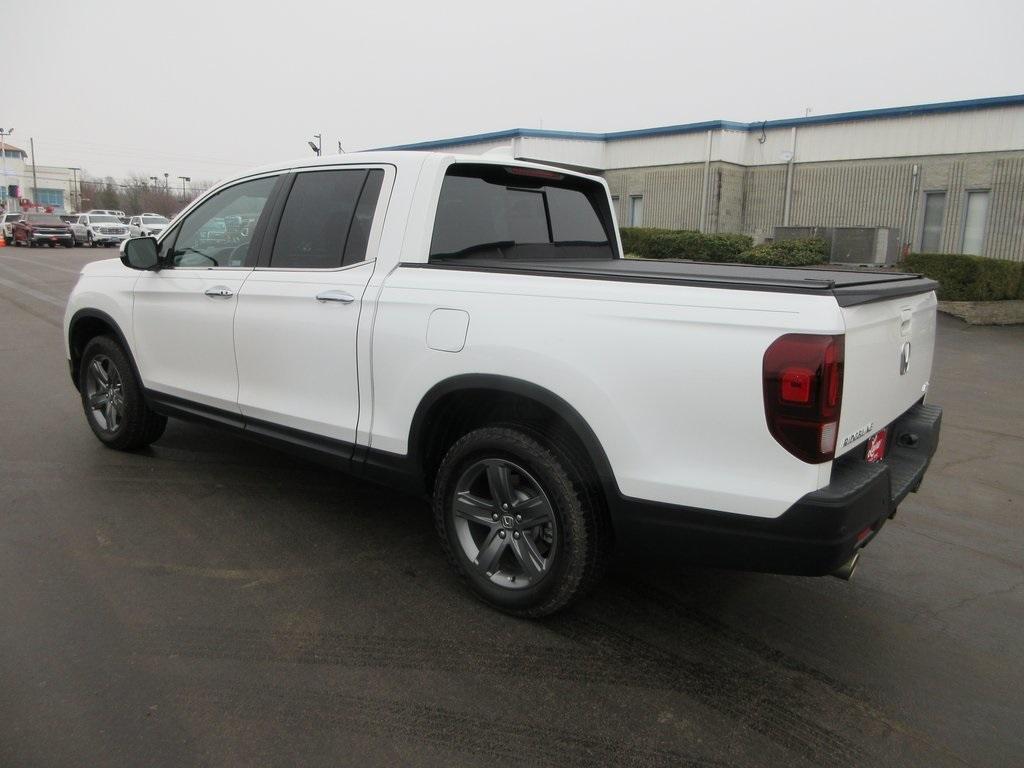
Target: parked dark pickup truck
{"x": 42, "y": 228}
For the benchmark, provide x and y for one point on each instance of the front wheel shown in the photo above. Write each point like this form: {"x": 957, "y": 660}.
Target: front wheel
{"x": 112, "y": 398}
{"x": 509, "y": 513}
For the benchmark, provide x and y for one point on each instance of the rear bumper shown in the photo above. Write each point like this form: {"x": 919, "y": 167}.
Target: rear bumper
{"x": 815, "y": 536}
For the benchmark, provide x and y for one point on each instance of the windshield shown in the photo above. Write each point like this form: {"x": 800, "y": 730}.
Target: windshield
{"x": 154, "y": 220}
{"x": 491, "y": 211}
{"x": 43, "y": 218}
{"x": 104, "y": 220}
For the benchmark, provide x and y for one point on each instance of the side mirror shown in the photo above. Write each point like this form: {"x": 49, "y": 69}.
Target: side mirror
{"x": 140, "y": 253}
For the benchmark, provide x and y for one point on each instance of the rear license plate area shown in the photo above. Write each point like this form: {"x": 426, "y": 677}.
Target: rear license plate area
{"x": 876, "y": 446}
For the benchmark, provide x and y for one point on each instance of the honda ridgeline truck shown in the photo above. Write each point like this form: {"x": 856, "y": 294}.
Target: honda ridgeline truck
{"x": 468, "y": 328}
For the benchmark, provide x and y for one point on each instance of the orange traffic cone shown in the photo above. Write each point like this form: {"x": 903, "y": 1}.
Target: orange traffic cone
{"x": 3, "y": 243}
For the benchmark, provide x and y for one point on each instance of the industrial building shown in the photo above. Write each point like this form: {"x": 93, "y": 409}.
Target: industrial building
{"x": 51, "y": 187}
{"x": 945, "y": 177}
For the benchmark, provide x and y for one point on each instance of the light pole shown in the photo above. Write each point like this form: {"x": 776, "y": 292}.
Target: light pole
{"x": 76, "y": 193}
{"x": 167, "y": 182}
{"x": 3, "y": 159}
{"x": 35, "y": 184}
{"x": 318, "y": 146}
{"x": 183, "y": 180}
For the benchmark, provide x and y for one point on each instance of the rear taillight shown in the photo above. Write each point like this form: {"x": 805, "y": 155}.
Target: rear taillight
{"x": 803, "y": 391}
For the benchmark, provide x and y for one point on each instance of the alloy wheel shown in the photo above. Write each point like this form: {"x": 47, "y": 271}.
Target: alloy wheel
{"x": 505, "y": 523}
{"x": 104, "y": 394}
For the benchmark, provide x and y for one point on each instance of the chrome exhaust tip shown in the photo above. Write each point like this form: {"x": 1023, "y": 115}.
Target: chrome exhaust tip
{"x": 845, "y": 571}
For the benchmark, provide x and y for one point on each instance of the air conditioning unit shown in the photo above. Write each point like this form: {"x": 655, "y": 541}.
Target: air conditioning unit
{"x": 852, "y": 245}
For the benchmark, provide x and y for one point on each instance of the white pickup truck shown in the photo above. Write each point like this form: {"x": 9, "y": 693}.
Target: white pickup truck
{"x": 468, "y": 328}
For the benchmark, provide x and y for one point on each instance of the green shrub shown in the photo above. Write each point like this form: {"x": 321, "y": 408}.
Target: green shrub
{"x": 969, "y": 278}
{"x": 651, "y": 243}
{"x": 788, "y": 253}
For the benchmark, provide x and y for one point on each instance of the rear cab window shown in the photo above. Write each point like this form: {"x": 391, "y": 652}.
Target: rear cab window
{"x": 494, "y": 212}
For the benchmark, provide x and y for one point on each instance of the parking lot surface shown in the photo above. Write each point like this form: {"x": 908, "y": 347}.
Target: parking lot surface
{"x": 209, "y": 601}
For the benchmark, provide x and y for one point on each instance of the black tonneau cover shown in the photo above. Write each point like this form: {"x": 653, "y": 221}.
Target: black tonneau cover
{"x": 849, "y": 287}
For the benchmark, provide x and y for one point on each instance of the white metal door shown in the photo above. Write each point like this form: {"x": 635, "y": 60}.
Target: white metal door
{"x": 182, "y": 323}
{"x": 295, "y": 342}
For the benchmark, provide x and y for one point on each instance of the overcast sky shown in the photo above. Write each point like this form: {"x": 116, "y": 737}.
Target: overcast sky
{"x": 207, "y": 89}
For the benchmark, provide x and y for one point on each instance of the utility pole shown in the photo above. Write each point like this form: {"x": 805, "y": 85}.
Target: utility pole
{"x": 35, "y": 184}
{"x": 76, "y": 193}
{"x": 183, "y": 180}
{"x": 3, "y": 159}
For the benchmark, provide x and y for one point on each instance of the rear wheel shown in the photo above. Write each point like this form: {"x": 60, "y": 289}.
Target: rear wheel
{"x": 112, "y": 398}
{"x": 509, "y": 513}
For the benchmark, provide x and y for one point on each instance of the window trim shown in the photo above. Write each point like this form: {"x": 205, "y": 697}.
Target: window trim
{"x": 376, "y": 228}
{"x": 963, "y": 219}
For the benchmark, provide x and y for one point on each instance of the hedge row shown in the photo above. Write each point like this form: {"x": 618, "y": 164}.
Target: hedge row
{"x": 652, "y": 243}
{"x": 969, "y": 278}
{"x": 682, "y": 244}
{"x": 788, "y": 253}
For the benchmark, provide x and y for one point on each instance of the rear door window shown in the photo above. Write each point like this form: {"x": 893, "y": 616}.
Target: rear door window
{"x": 497, "y": 212}
{"x": 326, "y": 221}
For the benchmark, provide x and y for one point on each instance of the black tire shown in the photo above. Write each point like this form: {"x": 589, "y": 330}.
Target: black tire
{"x": 572, "y": 542}
{"x": 70, "y": 245}
{"x": 135, "y": 424}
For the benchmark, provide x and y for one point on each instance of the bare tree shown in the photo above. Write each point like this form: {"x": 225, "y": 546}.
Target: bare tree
{"x": 136, "y": 194}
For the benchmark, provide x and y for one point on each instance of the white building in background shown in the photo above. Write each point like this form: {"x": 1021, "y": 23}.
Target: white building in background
{"x": 946, "y": 177}
{"x": 55, "y": 184}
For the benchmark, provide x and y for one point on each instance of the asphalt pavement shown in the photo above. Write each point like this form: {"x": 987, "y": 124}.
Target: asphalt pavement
{"x": 210, "y": 601}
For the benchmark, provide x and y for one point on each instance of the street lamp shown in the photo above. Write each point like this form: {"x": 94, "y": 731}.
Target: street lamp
{"x": 154, "y": 179}
{"x": 318, "y": 147}
{"x": 167, "y": 182}
{"x": 183, "y": 180}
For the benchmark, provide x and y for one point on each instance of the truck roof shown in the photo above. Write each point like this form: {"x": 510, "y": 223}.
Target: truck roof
{"x": 400, "y": 158}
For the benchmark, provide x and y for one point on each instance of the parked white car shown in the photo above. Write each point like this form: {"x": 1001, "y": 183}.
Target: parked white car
{"x": 107, "y": 212}
{"x": 96, "y": 229}
{"x": 8, "y": 222}
{"x": 466, "y": 328}
{"x": 147, "y": 224}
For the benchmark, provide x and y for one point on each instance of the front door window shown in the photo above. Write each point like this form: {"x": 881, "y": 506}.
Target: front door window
{"x": 218, "y": 233}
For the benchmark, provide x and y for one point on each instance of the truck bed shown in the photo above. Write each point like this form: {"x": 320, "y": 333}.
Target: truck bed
{"x": 850, "y": 287}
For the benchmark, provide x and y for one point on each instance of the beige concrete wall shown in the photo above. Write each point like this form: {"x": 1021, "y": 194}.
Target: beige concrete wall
{"x": 868, "y": 193}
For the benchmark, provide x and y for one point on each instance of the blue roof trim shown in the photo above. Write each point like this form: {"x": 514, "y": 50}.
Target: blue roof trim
{"x": 722, "y": 125}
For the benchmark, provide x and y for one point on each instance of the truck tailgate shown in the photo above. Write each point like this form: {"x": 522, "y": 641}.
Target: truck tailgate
{"x": 889, "y": 348}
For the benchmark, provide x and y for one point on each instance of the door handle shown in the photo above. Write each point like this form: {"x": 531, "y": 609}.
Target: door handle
{"x": 219, "y": 292}
{"x": 339, "y": 296}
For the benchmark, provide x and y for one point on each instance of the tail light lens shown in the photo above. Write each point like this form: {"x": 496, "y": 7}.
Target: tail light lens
{"x": 803, "y": 391}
